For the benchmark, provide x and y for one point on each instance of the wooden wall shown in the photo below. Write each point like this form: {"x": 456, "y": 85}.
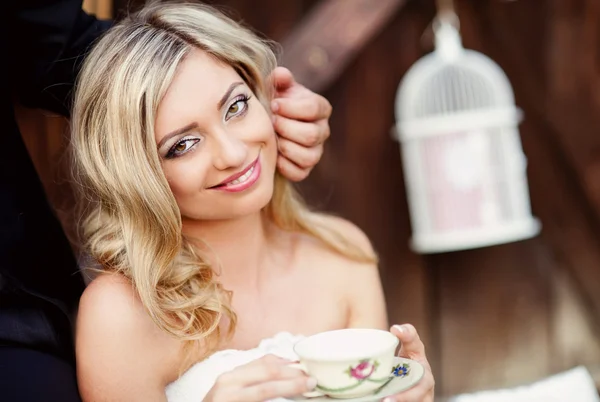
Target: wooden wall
{"x": 497, "y": 316}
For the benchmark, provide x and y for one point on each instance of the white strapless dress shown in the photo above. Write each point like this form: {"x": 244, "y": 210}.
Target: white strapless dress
{"x": 195, "y": 383}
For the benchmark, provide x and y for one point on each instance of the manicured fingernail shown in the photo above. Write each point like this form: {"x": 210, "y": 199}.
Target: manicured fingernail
{"x": 274, "y": 106}
{"x": 388, "y": 399}
{"x": 400, "y": 328}
{"x": 311, "y": 383}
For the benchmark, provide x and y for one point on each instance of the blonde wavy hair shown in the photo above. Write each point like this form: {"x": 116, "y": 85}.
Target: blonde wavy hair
{"x": 131, "y": 223}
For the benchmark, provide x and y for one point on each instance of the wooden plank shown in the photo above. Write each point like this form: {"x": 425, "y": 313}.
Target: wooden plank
{"x": 44, "y": 136}
{"x": 331, "y": 34}
{"x": 100, "y": 8}
{"x": 495, "y": 316}
{"x": 574, "y": 34}
{"x": 575, "y": 340}
{"x": 571, "y": 131}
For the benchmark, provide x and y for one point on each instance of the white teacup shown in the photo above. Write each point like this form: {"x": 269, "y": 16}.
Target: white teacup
{"x": 348, "y": 363}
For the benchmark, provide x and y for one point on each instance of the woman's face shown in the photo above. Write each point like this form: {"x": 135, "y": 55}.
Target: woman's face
{"x": 216, "y": 142}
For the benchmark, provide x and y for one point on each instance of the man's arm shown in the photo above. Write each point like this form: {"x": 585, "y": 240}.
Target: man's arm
{"x": 48, "y": 39}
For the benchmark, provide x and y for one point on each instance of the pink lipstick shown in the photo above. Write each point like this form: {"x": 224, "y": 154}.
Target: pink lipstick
{"x": 242, "y": 180}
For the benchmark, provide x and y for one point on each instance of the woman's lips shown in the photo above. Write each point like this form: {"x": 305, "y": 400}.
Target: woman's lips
{"x": 243, "y": 180}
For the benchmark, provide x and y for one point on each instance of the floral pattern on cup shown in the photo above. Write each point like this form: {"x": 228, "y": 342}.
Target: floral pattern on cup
{"x": 363, "y": 370}
{"x": 401, "y": 370}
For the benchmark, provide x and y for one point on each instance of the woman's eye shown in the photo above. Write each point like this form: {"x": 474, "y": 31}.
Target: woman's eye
{"x": 182, "y": 147}
{"x": 237, "y": 108}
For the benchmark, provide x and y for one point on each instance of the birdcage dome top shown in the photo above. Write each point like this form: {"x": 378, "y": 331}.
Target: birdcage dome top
{"x": 453, "y": 83}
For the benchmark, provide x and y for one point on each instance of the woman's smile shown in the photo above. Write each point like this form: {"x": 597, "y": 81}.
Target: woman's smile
{"x": 243, "y": 180}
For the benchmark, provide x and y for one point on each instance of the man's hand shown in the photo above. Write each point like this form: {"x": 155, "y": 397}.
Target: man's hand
{"x": 301, "y": 119}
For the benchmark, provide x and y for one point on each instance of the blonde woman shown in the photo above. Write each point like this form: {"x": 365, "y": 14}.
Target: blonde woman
{"x": 213, "y": 266}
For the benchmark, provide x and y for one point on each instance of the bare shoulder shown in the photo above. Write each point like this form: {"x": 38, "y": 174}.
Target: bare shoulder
{"x": 106, "y": 291}
{"x": 339, "y": 264}
{"x": 355, "y": 235}
{"x": 121, "y": 354}
{"x": 357, "y": 282}
{"x": 110, "y": 300}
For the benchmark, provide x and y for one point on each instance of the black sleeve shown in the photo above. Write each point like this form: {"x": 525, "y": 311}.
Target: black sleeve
{"x": 48, "y": 39}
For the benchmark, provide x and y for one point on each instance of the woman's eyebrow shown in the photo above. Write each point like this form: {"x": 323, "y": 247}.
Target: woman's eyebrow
{"x": 228, "y": 93}
{"x": 176, "y": 132}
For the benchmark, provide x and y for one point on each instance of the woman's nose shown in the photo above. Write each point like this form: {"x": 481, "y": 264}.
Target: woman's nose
{"x": 230, "y": 151}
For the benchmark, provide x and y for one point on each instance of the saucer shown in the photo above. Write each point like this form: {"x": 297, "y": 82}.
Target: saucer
{"x": 407, "y": 374}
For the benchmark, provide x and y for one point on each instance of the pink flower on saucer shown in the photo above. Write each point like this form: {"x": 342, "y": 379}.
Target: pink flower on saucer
{"x": 362, "y": 370}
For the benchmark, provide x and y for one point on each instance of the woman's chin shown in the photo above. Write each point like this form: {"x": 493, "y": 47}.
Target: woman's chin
{"x": 233, "y": 208}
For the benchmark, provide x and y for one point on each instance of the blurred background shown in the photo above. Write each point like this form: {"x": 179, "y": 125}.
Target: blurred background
{"x": 490, "y": 317}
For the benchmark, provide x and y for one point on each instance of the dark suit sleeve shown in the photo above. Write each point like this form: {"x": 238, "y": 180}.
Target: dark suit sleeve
{"x": 48, "y": 41}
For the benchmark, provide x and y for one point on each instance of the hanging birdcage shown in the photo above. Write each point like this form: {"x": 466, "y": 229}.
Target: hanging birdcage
{"x": 464, "y": 167}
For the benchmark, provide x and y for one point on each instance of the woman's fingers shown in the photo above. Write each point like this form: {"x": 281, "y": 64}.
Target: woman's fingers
{"x": 276, "y": 389}
{"x": 411, "y": 345}
{"x": 414, "y": 349}
{"x": 263, "y": 379}
{"x": 267, "y": 368}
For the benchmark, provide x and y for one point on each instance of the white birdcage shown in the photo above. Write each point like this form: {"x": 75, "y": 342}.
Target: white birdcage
{"x": 464, "y": 167}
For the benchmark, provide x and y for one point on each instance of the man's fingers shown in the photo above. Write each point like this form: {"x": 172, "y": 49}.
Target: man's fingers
{"x": 290, "y": 170}
{"x": 307, "y": 134}
{"x": 301, "y": 156}
{"x": 305, "y": 108}
{"x": 282, "y": 78}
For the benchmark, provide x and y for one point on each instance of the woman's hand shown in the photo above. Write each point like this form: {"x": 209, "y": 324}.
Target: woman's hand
{"x": 301, "y": 119}
{"x": 261, "y": 380}
{"x": 412, "y": 348}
